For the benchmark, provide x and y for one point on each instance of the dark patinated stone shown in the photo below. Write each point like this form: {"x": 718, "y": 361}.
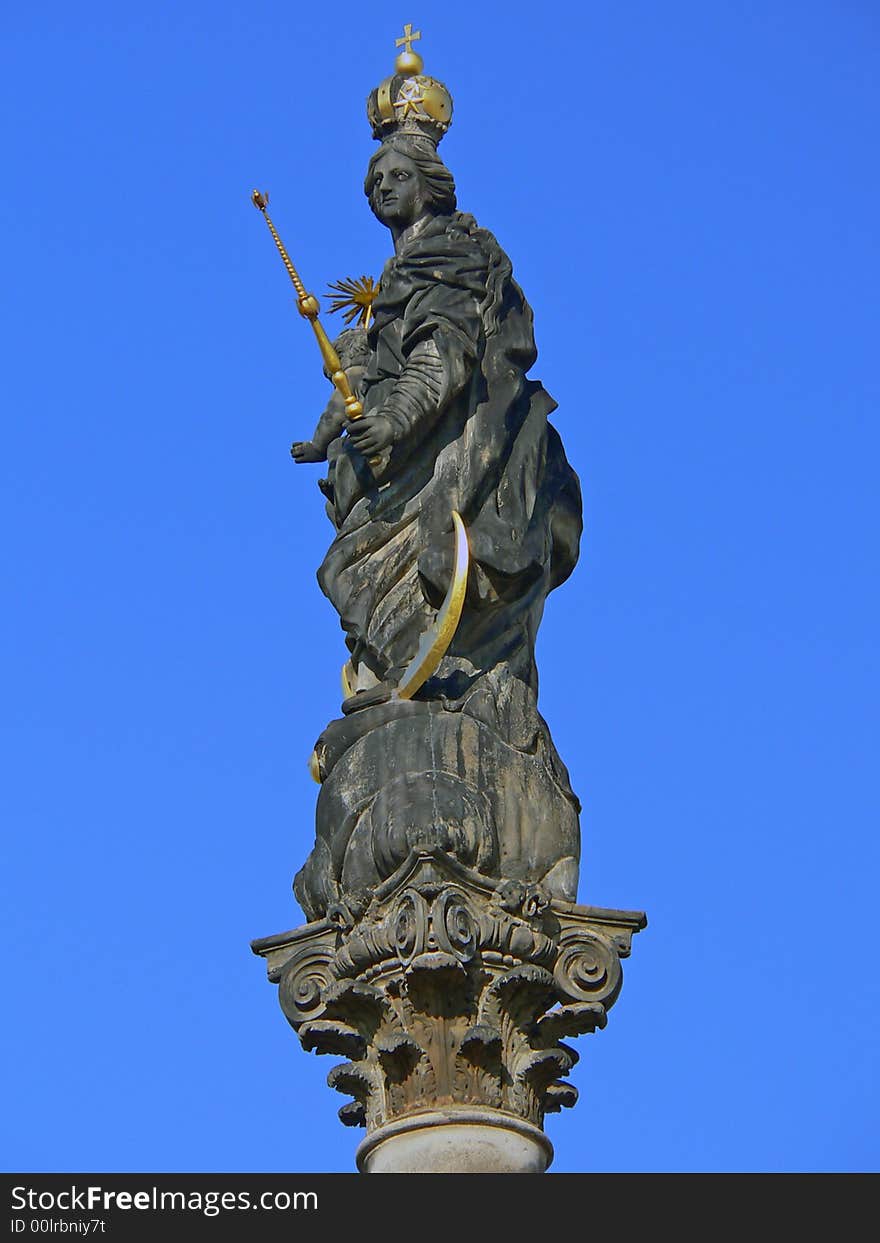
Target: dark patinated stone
{"x": 448, "y": 990}
{"x": 451, "y": 422}
{"x": 408, "y": 774}
{"x": 444, "y": 957}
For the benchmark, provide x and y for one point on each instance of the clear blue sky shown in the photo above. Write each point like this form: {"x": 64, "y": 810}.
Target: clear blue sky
{"x": 689, "y": 194}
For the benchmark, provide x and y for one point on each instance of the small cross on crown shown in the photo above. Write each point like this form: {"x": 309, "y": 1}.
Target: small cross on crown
{"x": 408, "y": 37}
{"x": 408, "y": 63}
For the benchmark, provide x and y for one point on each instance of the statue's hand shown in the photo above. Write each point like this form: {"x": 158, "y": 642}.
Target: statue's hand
{"x": 371, "y": 434}
{"x": 305, "y": 451}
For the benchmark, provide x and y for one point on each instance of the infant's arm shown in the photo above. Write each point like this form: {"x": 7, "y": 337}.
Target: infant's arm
{"x": 330, "y": 424}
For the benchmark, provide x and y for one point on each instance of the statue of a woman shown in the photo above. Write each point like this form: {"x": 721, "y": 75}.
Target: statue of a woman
{"x": 451, "y": 423}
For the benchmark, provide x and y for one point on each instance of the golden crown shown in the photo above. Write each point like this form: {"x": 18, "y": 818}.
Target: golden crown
{"x": 409, "y": 102}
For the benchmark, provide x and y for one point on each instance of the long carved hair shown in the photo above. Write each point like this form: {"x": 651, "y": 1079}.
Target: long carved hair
{"x": 439, "y": 182}
{"x": 501, "y": 291}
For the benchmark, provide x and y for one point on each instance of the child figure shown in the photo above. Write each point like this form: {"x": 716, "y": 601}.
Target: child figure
{"x": 351, "y": 346}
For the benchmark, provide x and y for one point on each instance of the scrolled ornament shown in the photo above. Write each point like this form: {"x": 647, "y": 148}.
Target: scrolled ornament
{"x": 409, "y": 923}
{"x": 305, "y": 979}
{"x": 587, "y": 967}
{"x": 455, "y": 926}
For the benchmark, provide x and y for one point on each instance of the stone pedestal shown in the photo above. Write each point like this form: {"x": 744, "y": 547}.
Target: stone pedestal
{"x": 449, "y": 997}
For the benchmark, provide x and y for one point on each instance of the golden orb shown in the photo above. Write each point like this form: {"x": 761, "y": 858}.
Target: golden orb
{"x": 408, "y": 64}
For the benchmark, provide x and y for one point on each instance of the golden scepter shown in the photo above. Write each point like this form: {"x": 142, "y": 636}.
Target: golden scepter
{"x": 357, "y": 297}
{"x": 309, "y": 307}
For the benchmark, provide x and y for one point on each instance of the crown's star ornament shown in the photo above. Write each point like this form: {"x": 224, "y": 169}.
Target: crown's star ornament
{"x": 409, "y": 101}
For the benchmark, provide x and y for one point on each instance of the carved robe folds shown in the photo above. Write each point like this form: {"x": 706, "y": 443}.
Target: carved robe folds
{"x": 468, "y": 765}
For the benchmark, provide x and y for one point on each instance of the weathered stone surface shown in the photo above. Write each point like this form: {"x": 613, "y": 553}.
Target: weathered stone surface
{"x": 451, "y": 991}
{"x": 405, "y": 775}
{"x": 452, "y": 424}
{"x": 444, "y": 959}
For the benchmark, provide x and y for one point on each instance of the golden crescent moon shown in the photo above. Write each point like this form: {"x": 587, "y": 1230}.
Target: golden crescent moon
{"x": 348, "y": 687}
{"x": 435, "y": 642}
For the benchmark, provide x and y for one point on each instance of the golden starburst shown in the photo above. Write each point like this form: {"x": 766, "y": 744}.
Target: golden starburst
{"x": 409, "y": 100}
{"x": 355, "y": 296}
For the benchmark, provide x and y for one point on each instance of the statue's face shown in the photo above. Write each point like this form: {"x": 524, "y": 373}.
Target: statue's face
{"x": 397, "y": 195}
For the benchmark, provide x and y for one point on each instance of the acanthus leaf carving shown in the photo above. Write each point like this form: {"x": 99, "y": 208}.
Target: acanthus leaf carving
{"x": 574, "y": 1020}
{"x": 332, "y": 1036}
{"x": 559, "y": 1096}
{"x": 448, "y": 988}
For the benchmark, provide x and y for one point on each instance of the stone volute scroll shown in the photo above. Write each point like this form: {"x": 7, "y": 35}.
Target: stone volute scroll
{"x": 445, "y": 959}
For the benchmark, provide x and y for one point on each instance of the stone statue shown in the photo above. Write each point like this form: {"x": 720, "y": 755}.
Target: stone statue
{"x": 449, "y": 435}
{"x": 453, "y": 424}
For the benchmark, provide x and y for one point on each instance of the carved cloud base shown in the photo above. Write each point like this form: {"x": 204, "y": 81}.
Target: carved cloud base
{"x": 449, "y": 998}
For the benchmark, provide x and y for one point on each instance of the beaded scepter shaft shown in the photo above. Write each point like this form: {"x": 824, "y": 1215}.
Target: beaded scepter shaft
{"x": 309, "y": 308}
